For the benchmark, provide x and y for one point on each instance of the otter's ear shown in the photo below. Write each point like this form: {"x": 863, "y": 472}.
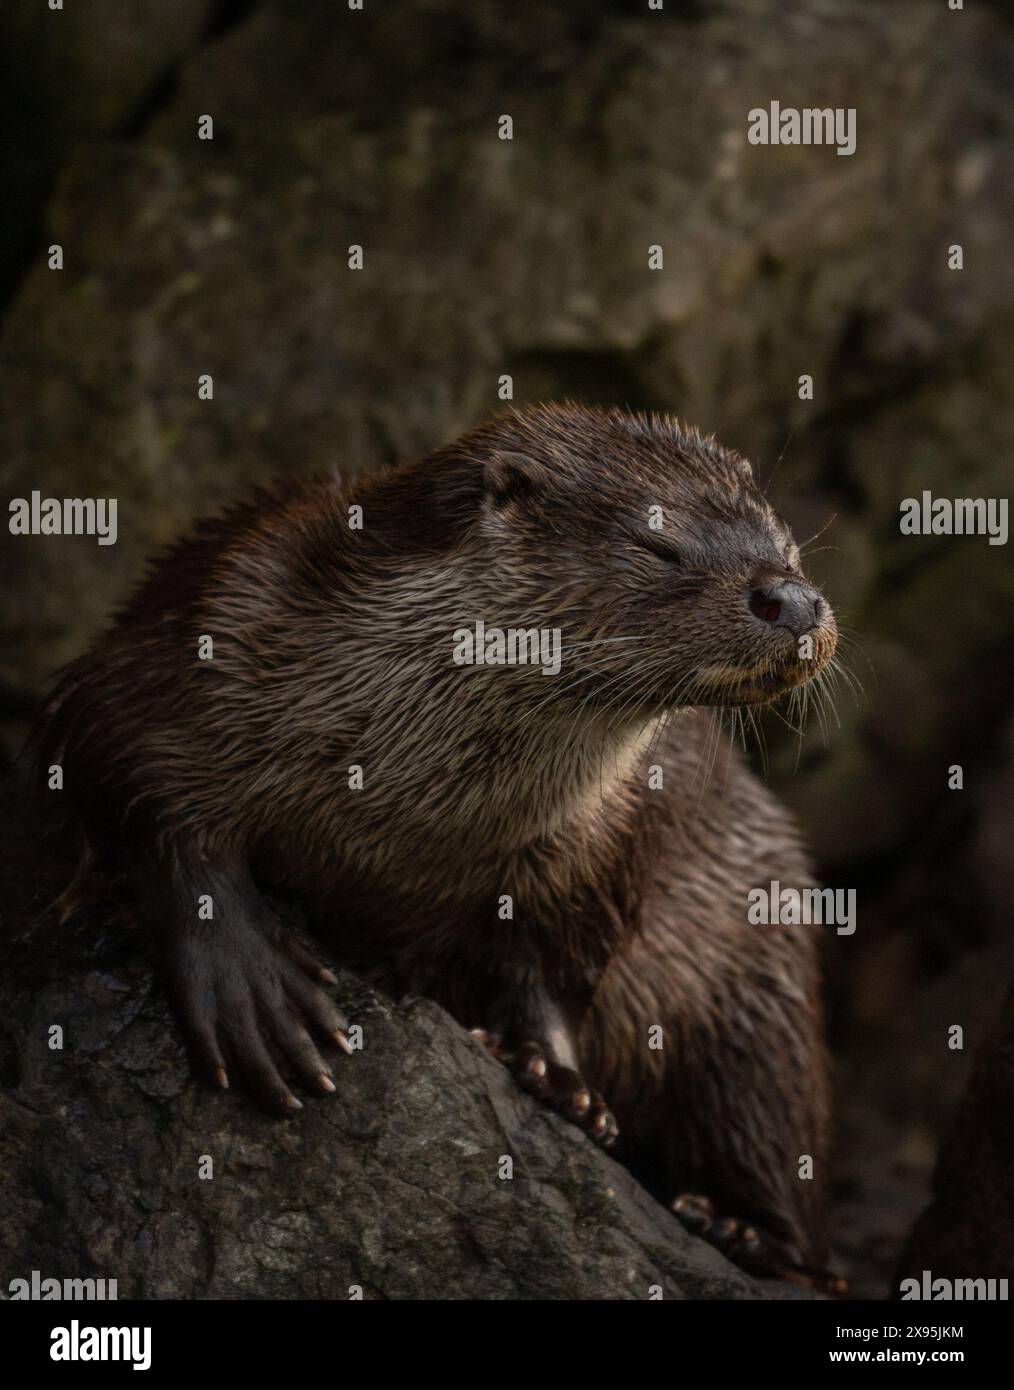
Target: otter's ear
{"x": 512, "y": 478}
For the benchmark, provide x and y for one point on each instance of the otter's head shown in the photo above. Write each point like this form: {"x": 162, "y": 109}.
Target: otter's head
{"x": 670, "y": 578}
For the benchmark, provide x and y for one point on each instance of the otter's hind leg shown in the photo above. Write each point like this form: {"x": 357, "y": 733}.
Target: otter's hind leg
{"x": 747, "y": 1113}
{"x": 721, "y": 1095}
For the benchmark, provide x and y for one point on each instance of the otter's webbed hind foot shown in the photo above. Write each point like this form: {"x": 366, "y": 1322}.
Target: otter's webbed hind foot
{"x": 756, "y": 1250}
{"x": 561, "y": 1088}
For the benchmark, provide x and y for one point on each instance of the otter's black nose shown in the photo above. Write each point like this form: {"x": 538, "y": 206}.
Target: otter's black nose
{"x": 788, "y": 603}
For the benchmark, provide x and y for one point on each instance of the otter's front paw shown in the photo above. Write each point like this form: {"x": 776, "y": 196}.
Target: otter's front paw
{"x": 248, "y": 1003}
{"x": 754, "y": 1249}
{"x": 561, "y": 1088}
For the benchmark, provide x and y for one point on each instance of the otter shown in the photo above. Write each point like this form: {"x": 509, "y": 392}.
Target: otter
{"x": 562, "y": 861}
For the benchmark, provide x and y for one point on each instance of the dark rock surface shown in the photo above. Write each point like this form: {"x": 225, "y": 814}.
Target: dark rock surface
{"x": 967, "y": 1232}
{"x": 74, "y": 73}
{"x": 392, "y": 1184}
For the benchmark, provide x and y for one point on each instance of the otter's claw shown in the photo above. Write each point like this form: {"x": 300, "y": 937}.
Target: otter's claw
{"x": 754, "y": 1249}
{"x": 561, "y": 1088}
{"x": 252, "y": 1003}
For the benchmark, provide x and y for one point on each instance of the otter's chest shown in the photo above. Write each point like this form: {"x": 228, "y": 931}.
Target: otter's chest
{"x": 557, "y": 907}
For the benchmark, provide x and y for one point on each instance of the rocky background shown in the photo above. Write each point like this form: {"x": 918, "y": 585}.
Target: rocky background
{"x": 530, "y": 257}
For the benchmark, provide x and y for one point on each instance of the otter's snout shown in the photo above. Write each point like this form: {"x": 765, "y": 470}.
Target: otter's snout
{"x": 788, "y": 603}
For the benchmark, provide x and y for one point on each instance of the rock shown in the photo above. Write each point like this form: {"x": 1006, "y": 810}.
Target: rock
{"x": 391, "y": 1185}
{"x": 967, "y": 1232}
{"x": 897, "y": 1095}
{"x": 996, "y": 834}
{"x": 74, "y": 73}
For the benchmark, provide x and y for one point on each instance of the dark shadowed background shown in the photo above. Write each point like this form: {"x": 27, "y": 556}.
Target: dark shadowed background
{"x": 483, "y": 257}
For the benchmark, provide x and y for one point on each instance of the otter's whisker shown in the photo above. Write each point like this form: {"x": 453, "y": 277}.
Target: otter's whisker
{"x": 817, "y": 534}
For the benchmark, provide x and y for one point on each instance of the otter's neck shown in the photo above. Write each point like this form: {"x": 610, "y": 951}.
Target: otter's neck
{"x": 486, "y": 757}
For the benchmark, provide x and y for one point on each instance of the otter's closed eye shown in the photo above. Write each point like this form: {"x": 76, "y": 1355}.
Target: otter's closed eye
{"x": 658, "y": 545}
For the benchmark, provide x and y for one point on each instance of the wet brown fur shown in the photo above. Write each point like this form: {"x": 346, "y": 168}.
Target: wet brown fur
{"x": 332, "y": 647}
